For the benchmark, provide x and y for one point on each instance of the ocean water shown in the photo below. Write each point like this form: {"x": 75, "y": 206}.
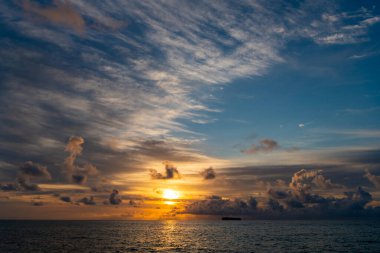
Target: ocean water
{"x": 189, "y": 236}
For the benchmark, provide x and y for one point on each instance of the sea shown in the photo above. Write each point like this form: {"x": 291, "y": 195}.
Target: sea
{"x": 190, "y": 236}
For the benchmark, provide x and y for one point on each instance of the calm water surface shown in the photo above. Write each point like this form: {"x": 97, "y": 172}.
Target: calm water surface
{"x": 189, "y": 236}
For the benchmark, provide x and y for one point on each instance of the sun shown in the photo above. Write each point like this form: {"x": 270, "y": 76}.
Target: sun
{"x": 170, "y": 194}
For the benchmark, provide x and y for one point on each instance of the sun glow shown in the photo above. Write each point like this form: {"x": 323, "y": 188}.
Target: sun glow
{"x": 170, "y": 194}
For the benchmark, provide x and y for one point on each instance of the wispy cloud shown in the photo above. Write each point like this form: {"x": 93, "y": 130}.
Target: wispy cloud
{"x": 60, "y": 12}
{"x": 351, "y": 133}
{"x": 362, "y": 110}
{"x": 345, "y": 27}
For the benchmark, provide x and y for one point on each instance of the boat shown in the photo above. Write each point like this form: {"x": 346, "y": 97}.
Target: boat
{"x": 231, "y": 218}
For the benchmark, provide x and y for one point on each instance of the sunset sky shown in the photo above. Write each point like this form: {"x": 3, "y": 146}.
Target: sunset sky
{"x": 189, "y": 109}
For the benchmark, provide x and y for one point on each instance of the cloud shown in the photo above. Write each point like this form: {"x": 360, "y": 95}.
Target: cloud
{"x": 31, "y": 169}
{"x": 296, "y": 202}
{"x": 375, "y": 180}
{"x": 25, "y": 184}
{"x": 301, "y": 193}
{"x": 265, "y": 146}
{"x": 222, "y": 207}
{"x": 88, "y": 201}
{"x": 352, "y": 133}
{"x": 354, "y": 200}
{"x": 278, "y": 194}
{"x": 77, "y": 174}
{"x": 343, "y": 28}
{"x": 215, "y": 197}
{"x": 114, "y": 198}
{"x": 38, "y": 203}
{"x": 26, "y": 173}
{"x": 171, "y": 172}
{"x": 9, "y": 187}
{"x": 303, "y": 181}
{"x": 60, "y": 12}
{"x": 208, "y": 174}
{"x": 79, "y": 178}
{"x": 81, "y": 174}
{"x": 132, "y": 203}
{"x": 65, "y": 199}
{"x": 372, "y": 20}
{"x": 273, "y": 205}
{"x": 74, "y": 147}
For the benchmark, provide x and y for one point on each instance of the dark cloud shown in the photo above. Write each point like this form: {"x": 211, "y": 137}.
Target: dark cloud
{"x": 278, "y": 194}
{"x": 114, "y": 198}
{"x": 274, "y": 205}
{"x": 27, "y": 172}
{"x": 217, "y": 206}
{"x": 65, "y": 199}
{"x": 87, "y": 201}
{"x": 252, "y": 203}
{"x": 294, "y": 203}
{"x": 79, "y": 178}
{"x": 9, "y": 187}
{"x": 132, "y": 203}
{"x": 214, "y": 197}
{"x": 26, "y": 185}
{"x": 81, "y": 174}
{"x": 171, "y": 172}
{"x": 265, "y": 145}
{"x": 34, "y": 170}
{"x": 22, "y": 184}
{"x": 340, "y": 174}
{"x": 298, "y": 201}
{"x": 353, "y": 205}
{"x": 38, "y": 203}
{"x": 208, "y": 174}
{"x": 31, "y": 170}
{"x": 356, "y": 200}
{"x": 367, "y": 157}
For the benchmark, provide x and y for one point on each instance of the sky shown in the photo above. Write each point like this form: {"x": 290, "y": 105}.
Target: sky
{"x": 189, "y": 109}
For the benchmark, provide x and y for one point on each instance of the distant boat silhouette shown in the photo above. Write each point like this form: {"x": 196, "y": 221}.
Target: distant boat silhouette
{"x": 231, "y": 218}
